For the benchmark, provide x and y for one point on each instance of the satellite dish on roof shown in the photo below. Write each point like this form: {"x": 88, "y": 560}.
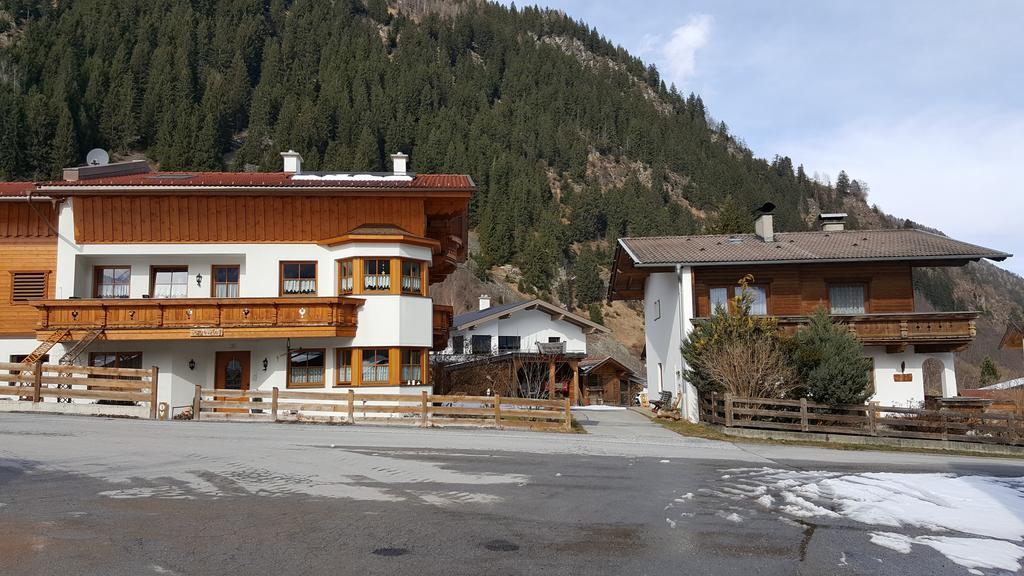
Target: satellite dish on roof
{"x": 97, "y": 157}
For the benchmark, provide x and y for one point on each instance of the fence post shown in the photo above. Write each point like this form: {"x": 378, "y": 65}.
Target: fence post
{"x": 351, "y": 406}
{"x": 873, "y": 417}
{"x": 273, "y": 403}
{"x": 154, "y": 378}
{"x": 728, "y": 409}
{"x": 37, "y": 381}
{"x": 944, "y": 421}
{"x": 197, "y": 400}
{"x": 497, "y": 410}
{"x": 568, "y": 415}
{"x": 425, "y": 409}
{"x": 713, "y": 416}
{"x": 803, "y": 415}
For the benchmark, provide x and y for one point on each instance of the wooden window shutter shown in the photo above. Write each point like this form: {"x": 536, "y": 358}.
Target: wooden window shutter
{"x": 27, "y": 286}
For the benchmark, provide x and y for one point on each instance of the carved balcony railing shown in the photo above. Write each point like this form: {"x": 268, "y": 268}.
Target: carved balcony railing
{"x": 442, "y": 322}
{"x": 133, "y": 319}
{"x": 926, "y": 331}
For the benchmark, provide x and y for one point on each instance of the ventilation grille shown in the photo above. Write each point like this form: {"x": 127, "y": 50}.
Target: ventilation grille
{"x": 27, "y": 286}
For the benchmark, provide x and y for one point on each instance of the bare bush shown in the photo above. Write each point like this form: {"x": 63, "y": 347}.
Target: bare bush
{"x": 755, "y": 367}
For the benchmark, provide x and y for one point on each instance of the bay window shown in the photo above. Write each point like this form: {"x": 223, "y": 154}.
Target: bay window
{"x": 376, "y": 366}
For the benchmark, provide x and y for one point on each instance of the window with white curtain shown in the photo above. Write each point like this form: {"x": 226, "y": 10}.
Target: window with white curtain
{"x": 758, "y": 300}
{"x": 719, "y": 299}
{"x": 298, "y": 278}
{"x": 376, "y": 275}
{"x": 846, "y": 298}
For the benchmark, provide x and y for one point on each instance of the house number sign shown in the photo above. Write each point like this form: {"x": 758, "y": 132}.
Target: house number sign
{"x": 206, "y": 332}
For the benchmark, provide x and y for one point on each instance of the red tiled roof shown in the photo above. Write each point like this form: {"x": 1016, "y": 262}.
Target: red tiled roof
{"x": 16, "y": 188}
{"x": 165, "y": 180}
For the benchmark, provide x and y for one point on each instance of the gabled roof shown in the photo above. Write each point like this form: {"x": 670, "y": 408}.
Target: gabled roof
{"x": 1013, "y": 337}
{"x": 223, "y": 181}
{"x": 803, "y": 247}
{"x": 591, "y": 363}
{"x": 478, "y": 317}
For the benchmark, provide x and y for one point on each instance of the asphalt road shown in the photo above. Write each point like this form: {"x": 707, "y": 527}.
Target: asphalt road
{"x": 83, "y": 495}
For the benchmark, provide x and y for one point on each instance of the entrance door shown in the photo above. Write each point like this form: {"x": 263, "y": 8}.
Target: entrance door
{"x": 232, "y": 373}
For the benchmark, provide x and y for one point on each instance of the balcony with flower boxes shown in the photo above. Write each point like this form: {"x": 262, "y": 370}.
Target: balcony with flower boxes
{"x": 176, "y": 319}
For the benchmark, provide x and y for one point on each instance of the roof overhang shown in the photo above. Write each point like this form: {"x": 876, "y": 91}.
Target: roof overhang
{"x": 1013, "y": 338}
{"x": 556, "y": 313}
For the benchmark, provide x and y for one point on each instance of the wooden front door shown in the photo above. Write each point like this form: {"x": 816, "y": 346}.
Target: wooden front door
{"x": 232, "y": 373}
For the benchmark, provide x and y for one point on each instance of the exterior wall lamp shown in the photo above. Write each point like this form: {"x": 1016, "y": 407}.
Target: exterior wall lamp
{"x": 264, "y": 364}
{"x": 191, "y": 363}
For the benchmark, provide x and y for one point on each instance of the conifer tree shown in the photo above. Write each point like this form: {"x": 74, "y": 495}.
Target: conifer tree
{"x": 989, "y": 373}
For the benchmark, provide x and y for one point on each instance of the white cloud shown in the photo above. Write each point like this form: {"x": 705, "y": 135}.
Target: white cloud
{"x": 680, "y": 52}
{"x": 953, "y": 171}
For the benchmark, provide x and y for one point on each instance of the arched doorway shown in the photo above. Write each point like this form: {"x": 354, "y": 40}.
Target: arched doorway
{"x": 933, "y": 369}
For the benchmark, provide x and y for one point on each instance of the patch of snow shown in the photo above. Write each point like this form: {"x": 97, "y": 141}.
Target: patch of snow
{"x": 842, "y": 560}
{"x": 664, "y": 461}
{"x": 731, "y": 517}
{"x": 671, "y": 522}
{"x": 979, "y": 520}
{"x": 598, "y": 408}
{"x": 971, "y": 553}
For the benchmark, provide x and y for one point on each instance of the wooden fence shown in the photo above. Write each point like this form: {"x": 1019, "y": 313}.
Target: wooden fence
{"x": 863, "y": 420}
{"x": 31, "y": 384}
{"x": 421, "y": 409}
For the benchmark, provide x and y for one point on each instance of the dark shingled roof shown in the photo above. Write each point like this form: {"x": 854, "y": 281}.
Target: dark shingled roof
{"x": 845, "y": 245}
{"x": 478, "y": 314}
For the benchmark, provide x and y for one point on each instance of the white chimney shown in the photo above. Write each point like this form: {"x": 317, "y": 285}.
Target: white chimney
{"x": 292, "y": 162}
{"x": 400, "y": 162}
{"x": 485, "y": 301}
{"x": 764, "y": 227}
{"x": 835, "y": 222}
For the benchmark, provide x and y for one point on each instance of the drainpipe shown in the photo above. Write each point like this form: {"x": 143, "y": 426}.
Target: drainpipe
{"x": 680, "y": 380}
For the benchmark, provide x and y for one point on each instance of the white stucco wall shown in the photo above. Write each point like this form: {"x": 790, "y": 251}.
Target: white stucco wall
{"x": 888, "y": 392}
{"x": 531, "y": 326}
{"x": 662, "y": 334}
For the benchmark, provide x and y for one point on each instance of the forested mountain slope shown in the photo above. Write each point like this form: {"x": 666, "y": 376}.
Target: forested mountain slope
{"x": 573, "y": 141}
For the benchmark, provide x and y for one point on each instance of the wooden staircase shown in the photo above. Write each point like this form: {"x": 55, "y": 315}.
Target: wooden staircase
{"x": 75, "y": 351}
{"x": 46, "y": 345}
{"x": 72, "y": 354}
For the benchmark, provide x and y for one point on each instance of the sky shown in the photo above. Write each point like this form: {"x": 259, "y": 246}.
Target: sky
{"x": 922, "y": 100}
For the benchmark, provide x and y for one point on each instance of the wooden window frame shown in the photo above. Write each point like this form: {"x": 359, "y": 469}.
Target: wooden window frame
{"x": 729, "y": 298}
{"x": 423, "y": 277}
{"x": 844, "y": 282}
{"x": 96, "y": 277}
{"x": 214, "y": 283}
{"x": 280, "y": 278}
{"x": 394, "y": 276}
{"x": 46, "y": 286}
{"x": 422, "y": 365}
{"x": 354, "y": 379}
{"x": 166, "y": 268}
{"x": 734, "y": 290}
{"x": 392, "y": 375}
{"x": 355, "y": 277}
{"x": 323, "y": 379}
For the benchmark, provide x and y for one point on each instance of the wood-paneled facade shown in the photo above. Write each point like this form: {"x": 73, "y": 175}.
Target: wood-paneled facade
{"x": 799, "y": 289}
{"x": 28, "y": 243}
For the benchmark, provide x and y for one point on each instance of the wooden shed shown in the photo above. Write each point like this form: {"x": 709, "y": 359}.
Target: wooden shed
{"x": 605, "y": 380}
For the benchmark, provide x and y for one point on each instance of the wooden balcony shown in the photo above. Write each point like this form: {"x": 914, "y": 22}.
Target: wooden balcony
{"x": 442, "y": 323}
{"x": 926, "y": 331}
{"x": 193, "y": 318}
